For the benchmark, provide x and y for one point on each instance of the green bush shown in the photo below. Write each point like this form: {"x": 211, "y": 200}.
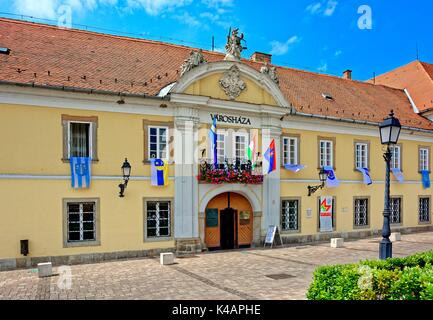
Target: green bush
{"x": 408, "y": 278}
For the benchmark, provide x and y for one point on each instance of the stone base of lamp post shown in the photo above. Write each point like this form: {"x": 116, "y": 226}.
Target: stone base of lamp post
{"x": 385, "y": 249}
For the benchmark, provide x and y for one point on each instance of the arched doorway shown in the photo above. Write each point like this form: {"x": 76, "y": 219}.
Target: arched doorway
{"x": 228, "y": 222}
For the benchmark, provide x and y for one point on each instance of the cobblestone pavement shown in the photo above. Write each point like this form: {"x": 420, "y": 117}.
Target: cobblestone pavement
{"x": 242, "y": 274}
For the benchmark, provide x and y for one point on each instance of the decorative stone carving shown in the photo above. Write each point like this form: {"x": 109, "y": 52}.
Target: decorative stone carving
{"x": 271, "y": 72}
{"x": 232, "y": 84}
{"x": 234, "y": 46}
{"x": 195, "y": 59}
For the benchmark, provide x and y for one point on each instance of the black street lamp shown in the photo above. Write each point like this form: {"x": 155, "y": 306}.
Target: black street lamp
{"x": 323, "y": 175}
{"x": 389, "y": 133}
{"x": 126, "y": 171}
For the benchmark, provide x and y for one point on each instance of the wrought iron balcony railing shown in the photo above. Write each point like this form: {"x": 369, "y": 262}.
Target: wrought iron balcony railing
{"x": 230, "y": 171}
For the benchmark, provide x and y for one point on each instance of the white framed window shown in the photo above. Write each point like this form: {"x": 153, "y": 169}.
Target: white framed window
{"x": 158, "y": 142}
{"x": 81, "y": 221}
{"x": 240, "y": 145}
{"x": 361, "y": 212}
{"x": 290, "y": 150}
{"x": 221, "y": 143}
{"x": 424, "y": 210}
{"x": 158, "y": 219}
{"x": 424, "y": 159}
{"x": 290, "y": 215}
{"x": 395, "y": 205}
{"x": 326, "y": 157}
{"x": 395, "y": 157}
{"x": 361, "y": 155}
{"x": 79, "y": 139}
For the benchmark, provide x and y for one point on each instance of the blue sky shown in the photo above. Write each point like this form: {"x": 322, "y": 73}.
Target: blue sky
{"x": 316, "y": 35}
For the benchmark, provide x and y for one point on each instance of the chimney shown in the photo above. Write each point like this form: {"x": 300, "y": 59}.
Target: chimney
{"x": 347, "y": 74}
{"x": 261, "y": 57}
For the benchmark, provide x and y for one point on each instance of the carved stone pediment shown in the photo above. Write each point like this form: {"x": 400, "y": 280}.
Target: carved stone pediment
{"x": 271, "y": 72}
{"x": 232, "y": 84}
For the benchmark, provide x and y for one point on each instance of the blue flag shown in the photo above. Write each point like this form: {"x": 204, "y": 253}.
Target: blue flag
{"x": 398, "y": 175}
{"x": 425, "y": 179}
{"x": 366, "y": 174}
{"x": 80, "y": 172}
{"x": 159, "y": 172}
{"x": 213, "y": 141}
{"x": 331, "y": 181}
{"x": 294, "y": 167}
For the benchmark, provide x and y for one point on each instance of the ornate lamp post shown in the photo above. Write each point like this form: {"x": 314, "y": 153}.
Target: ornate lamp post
{"x": 389, "y": 133}
{"x": 126, "y": 171}
{"x": 323, "y": 175}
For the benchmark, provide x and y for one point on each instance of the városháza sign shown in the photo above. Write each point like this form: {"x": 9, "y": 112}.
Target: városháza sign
{"x": 231, "y": 119}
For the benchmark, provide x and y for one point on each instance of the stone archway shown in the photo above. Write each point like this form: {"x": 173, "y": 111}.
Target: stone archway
{"x": 248, "y": 212}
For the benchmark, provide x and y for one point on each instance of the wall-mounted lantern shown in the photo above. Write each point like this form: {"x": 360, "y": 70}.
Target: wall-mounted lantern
{"x": 126, "y": 171}
{"x": 323, "y": 175}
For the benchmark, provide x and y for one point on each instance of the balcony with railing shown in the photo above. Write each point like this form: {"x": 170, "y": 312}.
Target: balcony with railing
{"x": 230, "y": 171}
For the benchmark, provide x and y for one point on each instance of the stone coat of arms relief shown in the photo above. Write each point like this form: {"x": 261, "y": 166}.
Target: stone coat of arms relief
{"x": 232, "y": 84}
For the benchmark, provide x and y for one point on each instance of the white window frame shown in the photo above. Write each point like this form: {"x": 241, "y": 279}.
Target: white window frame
{"x": 90, "y": 142}
{"x": 360, "y": 161}
{"x": 424, "y": 159}
{"x": 158, "y": 150}
{"x": 395, "y": 163}
{"x": 286, "y": 150}
{"x": 357, "y": 212}
{"x": 420, "y": 199}
{"x": 247, "y": 142}
{"x": 323, "y": 153}
{"x": 157, "y": 228}
{"x": 224, "y": 150}
{"x": 285, "y": 211}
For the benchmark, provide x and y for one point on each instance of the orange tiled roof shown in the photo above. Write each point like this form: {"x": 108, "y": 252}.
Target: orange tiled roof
{"x": 47, "y": 55}
{"x": 416, "y": 77}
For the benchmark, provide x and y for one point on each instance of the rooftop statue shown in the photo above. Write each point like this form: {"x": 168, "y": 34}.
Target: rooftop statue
{"x": 234, "y": 45}
{"x": 195, "y": 59}
{"x": 271, "y": 72}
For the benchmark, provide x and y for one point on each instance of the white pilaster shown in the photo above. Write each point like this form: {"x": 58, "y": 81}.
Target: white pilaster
{"x": 186, "y": 171}
{"x": 271, "y": 130}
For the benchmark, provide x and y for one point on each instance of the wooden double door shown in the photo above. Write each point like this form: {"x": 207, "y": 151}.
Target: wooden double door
{"x": 228, "y": 222}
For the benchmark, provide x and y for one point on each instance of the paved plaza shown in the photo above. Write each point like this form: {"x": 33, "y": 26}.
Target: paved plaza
{"x": 280, "y": 273}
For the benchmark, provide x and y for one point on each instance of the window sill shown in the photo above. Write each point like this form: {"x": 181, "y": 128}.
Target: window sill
{"x": 81, "y": 244}
{"x": 361, "y": 227}
{"x": 161, "y": 239}
{"x": 69, "y": 160}
{"x": 290, "y": 232}
{"x": 427, "y": 223}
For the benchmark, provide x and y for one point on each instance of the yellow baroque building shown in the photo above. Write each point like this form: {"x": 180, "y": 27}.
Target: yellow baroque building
{"x": 66, "y": 93}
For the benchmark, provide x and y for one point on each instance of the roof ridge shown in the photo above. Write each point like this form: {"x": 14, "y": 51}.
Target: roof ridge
{"x": 45, "y": 25}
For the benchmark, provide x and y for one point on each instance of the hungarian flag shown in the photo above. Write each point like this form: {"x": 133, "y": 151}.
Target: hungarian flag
{"x": 271, "y": 157}
{"x": 252, "y": 154}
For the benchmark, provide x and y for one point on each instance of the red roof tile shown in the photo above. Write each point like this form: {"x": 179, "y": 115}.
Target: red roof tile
{"x": 47, "y": 55}
{"x": 416, "y": 77}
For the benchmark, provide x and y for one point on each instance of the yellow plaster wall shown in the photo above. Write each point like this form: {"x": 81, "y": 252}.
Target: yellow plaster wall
{"x": 209, "y": 87}
{"x": 345, "y": 193}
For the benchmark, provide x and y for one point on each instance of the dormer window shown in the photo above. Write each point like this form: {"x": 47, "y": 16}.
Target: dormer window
{"x": 327, "y": 96}
{"x": 4, "y": 50}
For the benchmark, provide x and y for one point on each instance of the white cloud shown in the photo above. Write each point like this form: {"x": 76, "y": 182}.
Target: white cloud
{"x": 323, "y": 67}
{"x": 40, "y": 9}
{"x": 218, "y": 3}
{"x": 156, "y": 7}
{"x": 216, "y": 19}
{"x": 338, "y": 53}
{"x": 281, "y": 48}
{"x": 325, "y": 7}
{"x": 47, "y": 9}
{"x": 314, "y": 8}
{"x": 187, "y": 19}
{"x": 330, "y": 9}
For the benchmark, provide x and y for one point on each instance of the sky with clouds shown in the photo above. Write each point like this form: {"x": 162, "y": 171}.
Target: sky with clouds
{"x": 327, "y": 36}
